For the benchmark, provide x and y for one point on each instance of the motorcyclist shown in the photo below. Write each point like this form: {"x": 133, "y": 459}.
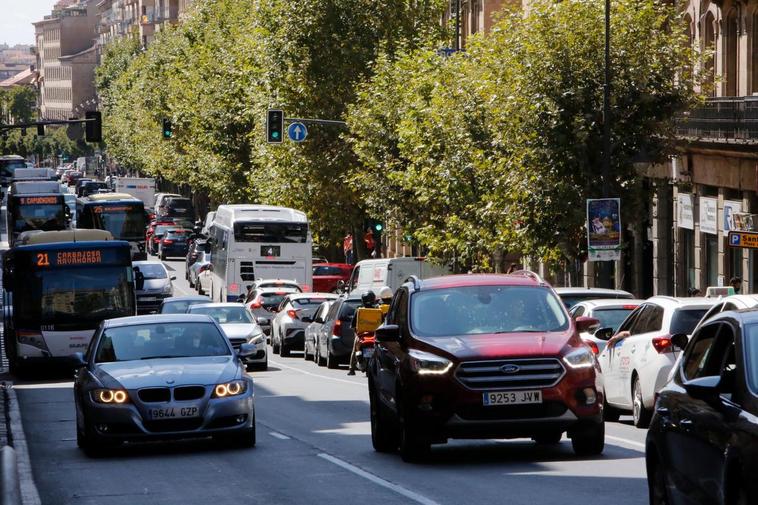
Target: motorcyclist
{"x": 368, "y": 300}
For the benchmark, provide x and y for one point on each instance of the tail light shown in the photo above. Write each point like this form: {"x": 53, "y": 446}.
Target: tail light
{"x": 306, "y": 288}
{"x": 293, "y": 313}
{"x": 156, "y": 239}
{"x": 257, "y": 303}
{"x": 593, "y": 346}
{"x": 663, "y": 344}
{"x": 337, "y": 330}
{"x": 168, "y": 241}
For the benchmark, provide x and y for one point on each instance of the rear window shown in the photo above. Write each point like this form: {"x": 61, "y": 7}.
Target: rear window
{"x": 611, "y": 318}
{"x": 178, "y": 234}
{"x": 308, "y": 302}
{"x": 270, "y": 300}
{"x": 569, "y": 300}
{"x": 685, "y": 320}
{"x": 348, "y": 308}
{"x": 327, "y": 270}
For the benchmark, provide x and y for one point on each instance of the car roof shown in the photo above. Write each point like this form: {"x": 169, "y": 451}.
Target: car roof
{"x": 748, "y": 301}
{"x": 187, "y": 298}
{"x": 157, "y": 318}
{"x": 599, "y": 291}
{"x": 327, "y": 264}
{"x": 609, "y": 302}
{"x": 682, "y": 302}
{"x": 217, "y": 305}
{"x": 463, "y": 280}
{"x": 298, "y": 296}
{"x": 281, "y": 290}
{"x": 148, "y": 262}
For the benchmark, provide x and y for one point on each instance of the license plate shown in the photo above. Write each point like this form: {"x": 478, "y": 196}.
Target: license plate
{"x": 174, "y": 412}
{"x": 368, "y": 352}
{"x": 512, "y": 397}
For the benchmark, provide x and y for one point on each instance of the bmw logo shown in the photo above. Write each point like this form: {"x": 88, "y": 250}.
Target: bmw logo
{"x": 510, "y": 368}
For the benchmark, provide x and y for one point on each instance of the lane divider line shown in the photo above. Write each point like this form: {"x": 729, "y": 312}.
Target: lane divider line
{"x": 418, "y": 498}
{"x": 279, "y": 435}
{"x": 626, "y": 441}
{"x": 277, "y": 363}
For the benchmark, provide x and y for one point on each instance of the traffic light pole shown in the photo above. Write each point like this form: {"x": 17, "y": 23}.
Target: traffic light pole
{"x": 43, "y": 122}
{"x": 327, "y": 122}
{"x": 93, "y": 125}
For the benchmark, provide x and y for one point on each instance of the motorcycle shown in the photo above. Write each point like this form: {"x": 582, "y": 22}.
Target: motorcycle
{"x": 366, "y": 341}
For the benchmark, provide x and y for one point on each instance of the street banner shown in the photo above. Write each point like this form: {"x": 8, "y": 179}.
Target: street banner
{"x": 732, "y": 209}
{"x": 708, "y": 212}
{"x": 604, "y": 229}
{"x": 685, "y": 214}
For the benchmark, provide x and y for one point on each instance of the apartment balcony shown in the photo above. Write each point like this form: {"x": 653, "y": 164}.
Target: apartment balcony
{"x": 723, "y": 120}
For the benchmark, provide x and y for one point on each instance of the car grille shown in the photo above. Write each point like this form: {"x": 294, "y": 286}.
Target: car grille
{"x": 150, "y": 395}
{"x": 511, "y": 412}
{"x": 247, "y": 271}
{"x": 526, "y": 373}
{"x": 183, "y": 393}
{"x": 237, "y": 342}
{"x": 164, "y": 426}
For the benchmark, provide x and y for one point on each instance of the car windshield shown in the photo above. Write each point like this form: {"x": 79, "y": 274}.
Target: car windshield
{"x": 325, "y": 270}
{"x": 160, "y": 230}
{"x": 125, "y": 220}
{"x": 308, "y": 302}
{"x": 180, "y": 306}
{"x": 685, "y": 320}
{"x": 152, "y": 271}
{"x": 225, "y": 315}
{"x": 611, "y": 318}
{"x": 160, "y": 340}
{"x": 476, "y": 310}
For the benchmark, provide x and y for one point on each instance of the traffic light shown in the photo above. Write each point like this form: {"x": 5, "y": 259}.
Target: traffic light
{"x": 40, "y": 130}
{"x": 168, "y": 129}
{"x": 275, "y": 126}
{"x": 93, "y": 129}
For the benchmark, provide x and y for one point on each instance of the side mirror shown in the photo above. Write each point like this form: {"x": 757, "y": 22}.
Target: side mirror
{"x": 306, "y": 319}
{"x": 263, "y": 320}
{"x": 341, "y": 284}
{"x": 604, "y": 333}
{"x": 77, "y": 360}
{"x": 173, "y": 277}
{"x": 388, "y": 333}
{"x": 586, "y": 324}
{"x": 679, "y": 340}
{"x": 246, "y": 350}
{"x": 704, "y": 388}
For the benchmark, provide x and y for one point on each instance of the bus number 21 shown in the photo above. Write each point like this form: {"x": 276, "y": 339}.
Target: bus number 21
{"x": 42, "y": 260}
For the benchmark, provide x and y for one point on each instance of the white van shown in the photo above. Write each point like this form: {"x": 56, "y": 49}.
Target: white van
{"x": 392, "y": 272}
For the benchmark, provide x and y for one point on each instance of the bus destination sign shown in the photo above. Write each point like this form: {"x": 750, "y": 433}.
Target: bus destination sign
{"x": 38, "y": 200}
{"x": 68, "y": 258}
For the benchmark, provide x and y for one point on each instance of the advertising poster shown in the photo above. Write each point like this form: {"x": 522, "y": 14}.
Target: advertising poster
{"x": 685, "y": 215}
{"x": 732, "y": 216}
{"x": 604, "y": 229}
{"x": 708, "y": 211}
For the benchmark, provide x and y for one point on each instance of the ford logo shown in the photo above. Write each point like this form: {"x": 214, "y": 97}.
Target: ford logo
{"x": 510, "y": 368}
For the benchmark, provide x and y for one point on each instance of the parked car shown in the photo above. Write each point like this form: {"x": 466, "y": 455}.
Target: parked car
{"x": 121, "y": 392}
{"x": 157, "y": 286}
{"x": 173, "y": 243}
{"x": 194, "y": 270}
{"x": 180, "y": 304}
{"x": 240, "y": 328}
{"x": 701, "y": 445}
{"x": 609, "y": 312}
{"x": 294, "y": 313}
{"x": 482, "y": 356}
{"x": 263, "y": 303}
{"x": 312, "y": 331}
{"x": 572, "y": 296}
{"x": 337, "y": 336}
{"x": 330, "y": 277}
{"x": 638, "y": 358}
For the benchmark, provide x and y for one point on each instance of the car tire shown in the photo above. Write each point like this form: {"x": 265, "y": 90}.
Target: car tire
{"x": 589, "y": 441}
{"x": 163, "y": 256}
{"x": 413, "y": 446}
{"x": 640, "y": 414}
{"x": 191, "y": 284}
{"x": 200, "y": 289}
{"x": 275, "y": 345}
{"x": 331, "y": 360}
{"x": 306, "y": 356}
{"x": 320, "y": 361}
{"x": 550, "y": 438}
{"x": 284, "y": 350}
{"x": 384, "y": 437}
{"x": 610, "y": 414}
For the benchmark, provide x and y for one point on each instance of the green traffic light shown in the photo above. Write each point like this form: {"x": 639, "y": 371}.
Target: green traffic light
{"x": 275, "y": 135}
{"x": 378, "y": 227}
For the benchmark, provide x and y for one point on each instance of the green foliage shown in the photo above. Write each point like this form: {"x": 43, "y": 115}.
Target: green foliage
{"x": 17, "y": 104}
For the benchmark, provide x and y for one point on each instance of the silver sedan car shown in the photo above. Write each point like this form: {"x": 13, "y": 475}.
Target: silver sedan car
{"x": 162, "y": 376}
{"x": 240, "y": 328}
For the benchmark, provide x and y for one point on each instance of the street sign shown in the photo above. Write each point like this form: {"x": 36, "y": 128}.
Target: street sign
{"x": 744, "y": 239}
{"x": 297, "y": 132}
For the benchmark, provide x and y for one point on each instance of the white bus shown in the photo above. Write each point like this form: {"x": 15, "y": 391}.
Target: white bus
{"x": 251, "y": 242}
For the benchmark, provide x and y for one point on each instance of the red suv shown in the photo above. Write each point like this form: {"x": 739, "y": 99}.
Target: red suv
{"x": 326, "y": 276}
{"x": 482, "y": 356}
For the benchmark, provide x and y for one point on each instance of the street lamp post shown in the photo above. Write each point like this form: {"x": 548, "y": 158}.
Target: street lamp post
{"x": 457, "y": 25}
{"x": 607, "y": 266}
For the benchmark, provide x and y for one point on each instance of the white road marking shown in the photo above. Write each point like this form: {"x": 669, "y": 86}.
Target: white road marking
{"x": 279, "y": 436}
{"x": 277, "y": 363}
{"x": 379, "y": 481}
{"x": 626, "y": 441}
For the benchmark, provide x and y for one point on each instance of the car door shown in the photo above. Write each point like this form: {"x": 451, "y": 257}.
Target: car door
{"x": 699, "y": 431}
{"x": 610, "y": 357}
{"x": 388, "y": 355}
{"x": 326, "y": 329}
{"x": 631, "y": 353}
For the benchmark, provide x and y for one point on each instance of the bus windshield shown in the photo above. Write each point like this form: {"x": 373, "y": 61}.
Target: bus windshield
{"x": 125, "y": 221}
{"x": 78, "y": 296}
{"x": 271, "y": 232}
{"x": 44, "y": 217}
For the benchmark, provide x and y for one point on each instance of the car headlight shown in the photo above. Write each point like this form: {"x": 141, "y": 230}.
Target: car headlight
{"x": 425, "y": 363}
{"x": 227, "y": 389}
{"x": 257, "y": 338}
{"x": 580, "y": 358}
{"x": 110, "y": 396}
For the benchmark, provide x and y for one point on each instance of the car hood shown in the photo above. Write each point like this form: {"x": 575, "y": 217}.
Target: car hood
{"x": 160, "y": 372}
{"x": 501, "y": 345}
{"x": 238, "y": 330}
{"x": 153, "y": 285}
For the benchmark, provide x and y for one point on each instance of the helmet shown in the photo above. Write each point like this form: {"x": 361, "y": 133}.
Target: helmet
{"x": 385, "y": 293}
{"x": 368, "y": 298}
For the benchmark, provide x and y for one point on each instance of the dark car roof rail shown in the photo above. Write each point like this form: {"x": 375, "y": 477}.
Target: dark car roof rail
{"x": 530, "y": 274}
{"x": 415, "y": 280}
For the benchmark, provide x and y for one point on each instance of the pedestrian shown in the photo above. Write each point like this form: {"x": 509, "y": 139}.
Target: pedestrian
{"x": 736, "y": 283}
{"x": 347, "y": 248}
{"x": 368, "y": 240}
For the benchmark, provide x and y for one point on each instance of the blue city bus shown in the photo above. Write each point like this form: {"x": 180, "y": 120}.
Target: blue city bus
{"x": 119, "y": 213}
{"x": 58, "y": 286}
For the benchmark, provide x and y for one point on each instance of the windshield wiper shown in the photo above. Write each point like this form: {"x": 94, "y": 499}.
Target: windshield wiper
{"x": 165, "y": 357}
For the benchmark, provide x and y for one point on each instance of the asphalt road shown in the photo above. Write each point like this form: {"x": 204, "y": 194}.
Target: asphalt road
{"x": 314, "y": 447}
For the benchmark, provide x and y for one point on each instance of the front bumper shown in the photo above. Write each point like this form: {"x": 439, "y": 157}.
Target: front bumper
{"x": 175, "y": 251}
{"x": 150, "y": 303}
{"x": 131, "y": 422}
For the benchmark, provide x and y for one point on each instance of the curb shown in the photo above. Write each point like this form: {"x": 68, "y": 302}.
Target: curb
{"x": 17, "y": 437}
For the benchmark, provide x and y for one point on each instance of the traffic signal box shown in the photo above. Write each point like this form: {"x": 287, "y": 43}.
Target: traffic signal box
{"x": 168, "y": 129}
{"x": 275, "y": 126}
{"x": 93, "y": 127}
